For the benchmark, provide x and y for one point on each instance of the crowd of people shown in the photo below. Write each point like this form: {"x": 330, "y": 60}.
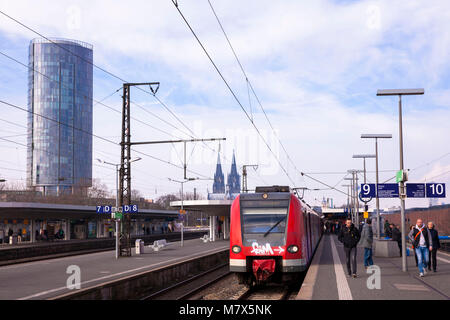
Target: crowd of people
{"x": 423, "y": 238}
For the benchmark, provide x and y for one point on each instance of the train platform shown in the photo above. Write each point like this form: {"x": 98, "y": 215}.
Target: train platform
{"x": 48, "y": 278}
{"x": 27, "y": 252}
{"x": 327, "y": 277}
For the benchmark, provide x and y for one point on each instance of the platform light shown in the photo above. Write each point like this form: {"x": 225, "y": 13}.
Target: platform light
{"x": 396, "y": 92}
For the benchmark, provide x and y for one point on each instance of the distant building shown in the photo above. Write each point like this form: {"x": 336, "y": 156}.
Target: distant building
{"x": 59, "y": 155}
{"x": 233, "y": 186}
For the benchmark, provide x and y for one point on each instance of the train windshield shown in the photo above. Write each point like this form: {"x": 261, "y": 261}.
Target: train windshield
{"x": 264, "y": 225}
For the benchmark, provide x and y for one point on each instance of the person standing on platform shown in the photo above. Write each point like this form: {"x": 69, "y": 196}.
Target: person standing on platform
{"x": 397, "y": 236}
{"x": 349, "y": 236}
{"x": 421, "y": 241}
{"x": 386, "y": 228}
{"x": 435, "y": 244}
{"x": 366, "y": 243}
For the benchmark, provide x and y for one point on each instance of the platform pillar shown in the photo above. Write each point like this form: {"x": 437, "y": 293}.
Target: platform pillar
{"x": 32, "y": 231}
{"x": 67, "y": 231}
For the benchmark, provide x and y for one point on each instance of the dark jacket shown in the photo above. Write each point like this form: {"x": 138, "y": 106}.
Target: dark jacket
{"x": 396, "y": 235}
{"x": 434, "y": 239}
{"x": 349, "y": 236}
{"x": 366, "y": 236}
{"x": 415, "y": 238}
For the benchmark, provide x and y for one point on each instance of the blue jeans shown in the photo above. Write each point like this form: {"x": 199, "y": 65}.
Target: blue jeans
{"x": 368, "y": 257}
{"x": 422, "y": 258}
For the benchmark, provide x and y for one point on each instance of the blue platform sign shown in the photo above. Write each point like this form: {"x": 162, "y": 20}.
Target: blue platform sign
{"x": 387, "y": 190}
{"x": 435, "y": 190}
{"x": 103, "y": 209}
{"x": 133, "y": 208}
{"x": 415, "y": 190}
{"x": 368, "y": 190}
{"x": 124, "y": 209}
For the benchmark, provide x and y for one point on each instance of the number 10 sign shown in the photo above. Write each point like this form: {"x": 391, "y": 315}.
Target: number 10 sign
{"x": 413, "y": 190}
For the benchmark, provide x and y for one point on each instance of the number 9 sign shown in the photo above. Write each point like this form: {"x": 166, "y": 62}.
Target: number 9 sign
{"x": 368, "y": 190}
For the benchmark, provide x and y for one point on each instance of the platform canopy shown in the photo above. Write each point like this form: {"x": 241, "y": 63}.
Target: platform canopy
{"x": 219, "y": 208}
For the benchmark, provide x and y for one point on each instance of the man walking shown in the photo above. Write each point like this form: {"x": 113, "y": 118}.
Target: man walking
{"x": 435, "y": 246}
{"x": 349, "y": 236}
{"x": 421, "y": 241}
{"x": 366, "y": 243}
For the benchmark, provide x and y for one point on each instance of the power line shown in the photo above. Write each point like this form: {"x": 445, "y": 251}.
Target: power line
{"x": 94, "y": 135}
{"x": 240, "y": 104}
{"x": 231, "y": 90}
{"x": 97, "y": 102}
{"x": 249, "y": 85}
{"x": 102, "y": 69}
{"x": 113, "y": 75}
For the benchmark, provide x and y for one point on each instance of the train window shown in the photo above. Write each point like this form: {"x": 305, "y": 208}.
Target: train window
{"x": 265, "y": 225}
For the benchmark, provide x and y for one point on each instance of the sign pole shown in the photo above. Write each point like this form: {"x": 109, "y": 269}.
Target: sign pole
{"x": 402, "y": 188}
{"x": 182, "y": 221}
{"x": 377, "y": 199}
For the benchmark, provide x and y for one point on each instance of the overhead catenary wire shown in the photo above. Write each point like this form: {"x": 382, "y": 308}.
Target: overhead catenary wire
{"x": 232, "y": 92}
{"x": 240, "y": 104}
{"x": 103, "y": 70}
{"x": 96, "y": 102}
{"x": 93, "y": 135}
{"x": 55, "y": 154}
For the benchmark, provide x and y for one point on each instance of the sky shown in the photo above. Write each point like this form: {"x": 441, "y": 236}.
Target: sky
{"x": 315, "y": 67}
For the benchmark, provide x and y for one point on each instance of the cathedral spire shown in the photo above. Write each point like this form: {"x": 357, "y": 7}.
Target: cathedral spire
{"x": 234, "y": 179}
{"x": 219, "y": 181}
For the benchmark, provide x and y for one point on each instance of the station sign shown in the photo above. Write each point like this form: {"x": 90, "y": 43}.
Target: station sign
{"x": 124, "y": 209}
{"x": 387, "y": 190}
{"x": 435, "y": 190}
{"x": 415, "y": 190}
{"x": 368, "y": 190}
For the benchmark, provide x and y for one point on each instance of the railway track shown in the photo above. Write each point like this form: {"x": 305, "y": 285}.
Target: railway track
{"x": 269, "y": 293}
{"x": 188, "y": 288}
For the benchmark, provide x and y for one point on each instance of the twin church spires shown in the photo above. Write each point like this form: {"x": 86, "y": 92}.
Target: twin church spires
{"x": 233, "y": 179}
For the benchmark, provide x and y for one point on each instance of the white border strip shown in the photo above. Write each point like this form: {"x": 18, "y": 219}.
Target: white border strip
{"x": 344, "y": 292}
{"x": 39, "y": 294}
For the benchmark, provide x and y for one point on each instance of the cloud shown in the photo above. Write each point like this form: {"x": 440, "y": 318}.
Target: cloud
{"x": 315, "y": 66}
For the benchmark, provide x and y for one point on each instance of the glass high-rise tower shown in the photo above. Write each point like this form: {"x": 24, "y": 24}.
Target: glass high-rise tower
{"x": 59, "y": 157}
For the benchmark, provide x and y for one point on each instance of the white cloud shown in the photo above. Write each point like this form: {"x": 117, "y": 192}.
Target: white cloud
{"x": 315, "y": 65}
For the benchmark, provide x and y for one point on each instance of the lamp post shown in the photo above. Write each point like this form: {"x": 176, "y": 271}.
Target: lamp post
{"x": 376, "y": 137}
{"x": 182, "y": 197}
{"x": 348, "y": 194}
{"x": 117, "y": 197}
{"x": 402, "y": 195}
{"x": 364, "y": 156}
{"x": 355, "y": 202}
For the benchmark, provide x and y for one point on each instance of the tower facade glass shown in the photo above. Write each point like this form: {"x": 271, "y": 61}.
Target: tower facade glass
{"x": 59, "y": 157}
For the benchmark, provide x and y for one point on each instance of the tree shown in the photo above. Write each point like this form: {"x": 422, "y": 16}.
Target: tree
{"x": 98, "y": 190}
{"x": 164, "y": 201}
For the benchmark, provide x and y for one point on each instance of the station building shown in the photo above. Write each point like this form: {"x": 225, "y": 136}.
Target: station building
{"x": 46, "y": 222}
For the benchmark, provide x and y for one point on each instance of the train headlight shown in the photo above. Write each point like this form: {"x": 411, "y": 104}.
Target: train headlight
{"x": 292, "y": 249}
{"x": 236, "y": 249}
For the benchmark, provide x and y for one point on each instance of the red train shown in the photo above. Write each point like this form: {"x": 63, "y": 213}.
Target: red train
{"x": 273, "y": 235}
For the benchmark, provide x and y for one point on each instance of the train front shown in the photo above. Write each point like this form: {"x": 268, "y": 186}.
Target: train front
{"x": 265, "y": 236}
